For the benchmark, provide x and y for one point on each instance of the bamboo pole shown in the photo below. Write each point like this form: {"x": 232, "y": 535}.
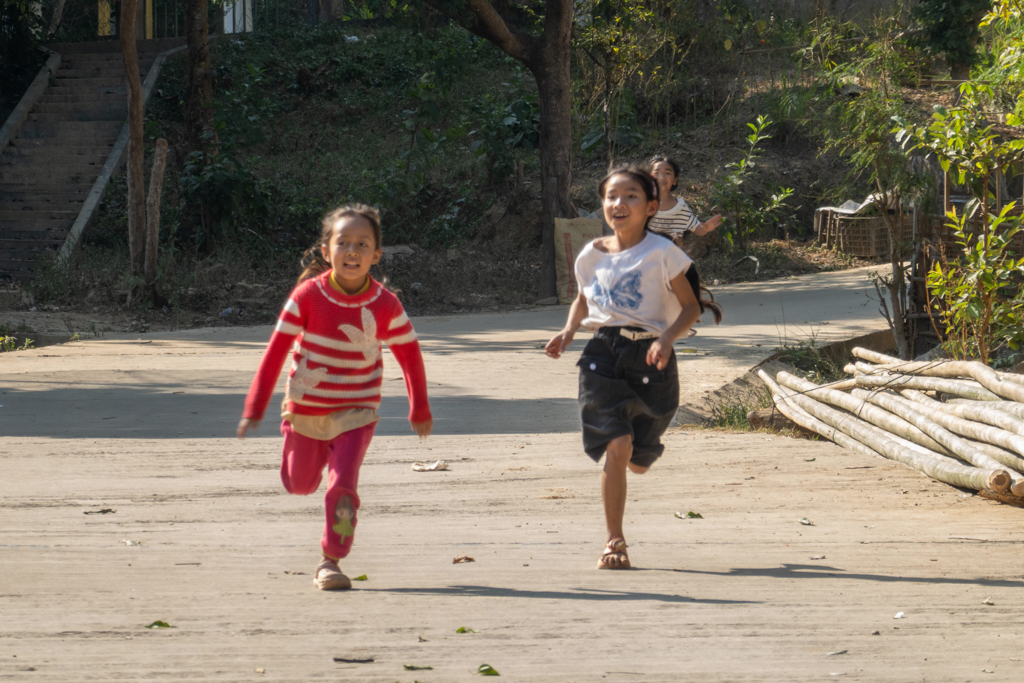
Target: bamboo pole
{"x": 898, "y": 382}
{"x": 1011, "y": 407}
{"x": 808, "y": 421}
{"x": 980, "y": 432}
{"x": 878, "y": 440}
{"x": 876, "y": 416}
{"x": 843, "y": 439}
{"x": 984, "y": 375}
{"x": 953, "y": 443}
{"x": 978, "y": 413}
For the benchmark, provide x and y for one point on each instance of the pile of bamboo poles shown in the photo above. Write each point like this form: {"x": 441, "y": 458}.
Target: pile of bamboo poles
{"x": 959, "y": 422}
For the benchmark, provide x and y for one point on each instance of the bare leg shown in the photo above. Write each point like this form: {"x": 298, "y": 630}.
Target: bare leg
{"x": 613, "y": 493}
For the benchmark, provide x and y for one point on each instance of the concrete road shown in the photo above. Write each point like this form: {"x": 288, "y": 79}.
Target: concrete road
{"x": 199, "y": 534}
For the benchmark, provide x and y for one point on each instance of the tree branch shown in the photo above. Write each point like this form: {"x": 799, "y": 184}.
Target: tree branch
{"x": 487, "y": 23}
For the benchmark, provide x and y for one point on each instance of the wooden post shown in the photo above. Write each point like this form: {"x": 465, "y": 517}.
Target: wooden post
{"x": 945, "y": 192}
{"x": 135, "y": 172}
{"x": 156, "y": 181}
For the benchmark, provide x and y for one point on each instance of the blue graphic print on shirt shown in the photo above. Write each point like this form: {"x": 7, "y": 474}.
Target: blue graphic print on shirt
{"x": 625, "y": 293}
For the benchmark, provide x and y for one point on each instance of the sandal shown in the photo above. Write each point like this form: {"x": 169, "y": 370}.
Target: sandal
{"x": 616, "y": 546}
{"x": 328, "y": 577}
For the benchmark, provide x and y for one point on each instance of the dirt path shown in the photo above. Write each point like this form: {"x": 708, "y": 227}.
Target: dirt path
{"x": 221, "y": 553}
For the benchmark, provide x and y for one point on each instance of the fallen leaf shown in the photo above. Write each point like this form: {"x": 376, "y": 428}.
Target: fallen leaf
{"x": 837, "y": 652}
{"x": 361, "y": 577}
{"x": 438, "y": 466}
{"x": 487, "y": 670}
{"x": 160, "y": 624}
{"x": 817, "y": 557}
{"x": 463, "y": 629}
{"x": 421, "y": 639}
{"x": 810, "y": 459}
{"x": 805, "y": 521}
{"x": 689, "y": 515}
{"x": 462, "y": 558}
{"x": 260, "y": 671}
{"x": 876, "y": 633}
{"x": 127, "y": 542}
{"x": 410, "y": 667}
{"x": 899, "y": 615}
{"x": 987, "y": 601}
{"x": 104, "y": 511}
{"x": 346, "y": 660}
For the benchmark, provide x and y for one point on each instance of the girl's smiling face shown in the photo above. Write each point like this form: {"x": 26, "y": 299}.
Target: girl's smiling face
{"x": 665, "y": 177}
{"x": 351, "y": 251}
{"x": 626, "y": 206}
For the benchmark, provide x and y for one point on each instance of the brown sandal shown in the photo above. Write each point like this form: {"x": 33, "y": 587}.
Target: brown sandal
{"x": 616, "y": 546}
{"x": 329, "y": 578}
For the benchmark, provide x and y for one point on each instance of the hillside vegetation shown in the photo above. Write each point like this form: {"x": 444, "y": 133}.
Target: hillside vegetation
{"x": 439, "y": 129}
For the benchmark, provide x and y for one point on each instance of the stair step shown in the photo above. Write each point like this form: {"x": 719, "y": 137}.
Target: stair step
{"x": 84, "y": 95}
{"x": 50, "y": 179}
{"x": 71, "y": 162}
{"x": 48, "y": 151}
{"x": 14, "y": 234}
{"x": 73, "y": 130}
{"x": 114, "y": 112}
{"x": 112, "y": 82}
{"x": 37, "y": 225}
{"x": 35, "y": 216}
{"x": 71, "y": 109}
{"x": 17, "y": 268}
{"x": 151, "y": 46}
{"x": 21, "y": 246}
{"x": 37, "y": 200}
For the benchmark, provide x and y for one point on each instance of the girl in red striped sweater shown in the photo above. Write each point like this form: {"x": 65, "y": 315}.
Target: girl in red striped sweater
{"x": 333, "y": 324}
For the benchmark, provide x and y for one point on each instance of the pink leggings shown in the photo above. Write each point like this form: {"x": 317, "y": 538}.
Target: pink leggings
{"x": 302, "y": 467}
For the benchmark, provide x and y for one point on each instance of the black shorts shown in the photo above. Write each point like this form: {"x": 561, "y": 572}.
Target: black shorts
{"x": 621, "y": 394}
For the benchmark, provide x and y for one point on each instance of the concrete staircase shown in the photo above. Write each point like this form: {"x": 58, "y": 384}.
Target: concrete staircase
{"x": 50, "y": 166}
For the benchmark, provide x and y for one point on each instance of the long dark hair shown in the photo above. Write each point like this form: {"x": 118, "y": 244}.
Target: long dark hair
{"x": 650, "y": 188}
{"x": 313, "y": 261}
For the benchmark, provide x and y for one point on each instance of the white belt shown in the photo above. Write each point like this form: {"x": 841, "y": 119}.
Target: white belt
{"x": 633, "y": 335}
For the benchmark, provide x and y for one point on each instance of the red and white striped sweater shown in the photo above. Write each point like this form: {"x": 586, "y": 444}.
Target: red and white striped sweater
{"x": 336, "y": 355}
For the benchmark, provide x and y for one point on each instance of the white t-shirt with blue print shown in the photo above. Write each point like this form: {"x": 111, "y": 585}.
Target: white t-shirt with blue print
{"x": 632, "y": 288}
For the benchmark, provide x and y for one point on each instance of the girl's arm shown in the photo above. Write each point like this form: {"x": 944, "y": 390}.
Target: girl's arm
{"x": 410, "y": 358}
{"x": 577, "y": 312}
{"x": 661, "y": 349}
{"x": 289, "y": 327}
{"x": 262, "y": 387}
{"x": 405, "y": 347}
{"x": 708, "y": 225}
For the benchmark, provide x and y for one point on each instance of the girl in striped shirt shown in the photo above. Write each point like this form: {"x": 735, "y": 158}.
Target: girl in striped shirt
{"x": 675, "y": 217}
{"x": 333, "y": 324}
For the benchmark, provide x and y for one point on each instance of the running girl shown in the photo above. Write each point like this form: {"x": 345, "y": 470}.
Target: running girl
{"x": 640, "y": 293}
{"x": 675, "y": 217}
{"x": 333, "y": 323}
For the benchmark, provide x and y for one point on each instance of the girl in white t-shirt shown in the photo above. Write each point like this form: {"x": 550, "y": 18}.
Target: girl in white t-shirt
{"x": 675, "y": 218}
{"x": 639, "y": 293}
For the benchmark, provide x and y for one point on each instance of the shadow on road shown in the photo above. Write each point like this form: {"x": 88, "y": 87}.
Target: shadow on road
{"x": 575, "y": 594}
{"x": 804, "y": 571}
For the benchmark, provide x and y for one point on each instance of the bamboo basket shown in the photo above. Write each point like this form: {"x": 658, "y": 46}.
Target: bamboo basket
{"x": 865, "y": 237}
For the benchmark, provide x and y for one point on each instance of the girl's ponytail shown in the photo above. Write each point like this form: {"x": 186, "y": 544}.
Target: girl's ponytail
{"x": 313, "y": 263}
{"x": 708, "y": 303}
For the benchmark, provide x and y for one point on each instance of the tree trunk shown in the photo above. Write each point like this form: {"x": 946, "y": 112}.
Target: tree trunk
{"x": 548, "y": 57}
{"x": 331, "y": 10}
{"x": 156, "y": 180}
{"x": 552, "y": 73}
{"x": 199, "y": 131}
{"x": 136, "y": 207}
{"x": 58, "y": 14}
